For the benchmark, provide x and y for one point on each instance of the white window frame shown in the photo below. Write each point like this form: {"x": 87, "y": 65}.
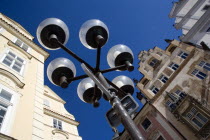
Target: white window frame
{"x": 197, "y": 72}
{"x": 204, "y": 65}
{"x": 183, "y": 54}
{"x": 21, "y": 46}
{"x": 192, "y": 114}
{"x": 172, "y": 65}
{"x": 9, "y": 117}
{"x": 57, "y": 124}
{"x": 1, "y": 29}
{"x": 13, "y": 61}
{"x": 46, "y": 102}
{"x": 154, "y": 88}
{"x": 163, "y": 78}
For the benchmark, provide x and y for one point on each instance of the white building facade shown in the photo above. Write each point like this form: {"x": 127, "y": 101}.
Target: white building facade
{"x": 192, "y": 17}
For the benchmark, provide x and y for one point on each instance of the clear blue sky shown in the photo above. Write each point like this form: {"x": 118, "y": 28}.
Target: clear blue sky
{"x": 139, "y": 24}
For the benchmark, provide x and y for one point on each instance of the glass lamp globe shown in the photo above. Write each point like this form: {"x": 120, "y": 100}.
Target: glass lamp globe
{"x": 118, "y": 55}
{"x": 124, "y": 83}
{"x": 52, "y": 26}
{"x": 90, "y": 30}
{"x": 85, "y": 90}
{"x": 58, "y": 68}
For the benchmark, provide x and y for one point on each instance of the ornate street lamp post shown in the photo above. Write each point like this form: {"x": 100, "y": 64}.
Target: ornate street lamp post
{"x": 53, "y": 34}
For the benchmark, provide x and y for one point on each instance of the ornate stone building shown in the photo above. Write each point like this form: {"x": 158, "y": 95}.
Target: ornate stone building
{"x": 153, "y": 125}
{"x": 192, "y": 16}
{"x": 28, "y": 109}
{"x": 176, "y": 82}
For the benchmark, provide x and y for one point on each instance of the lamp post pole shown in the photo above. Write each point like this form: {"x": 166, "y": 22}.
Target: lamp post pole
{"x": 116, "y": 104}
{"x": 53, "y": 33}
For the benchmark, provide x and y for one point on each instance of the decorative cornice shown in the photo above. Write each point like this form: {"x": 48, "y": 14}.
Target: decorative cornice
{"x": 20, "y": 49}
{"x": 60, "y": 116}
{"x": 24, "y": 38}
{"x": 12, "y": 77}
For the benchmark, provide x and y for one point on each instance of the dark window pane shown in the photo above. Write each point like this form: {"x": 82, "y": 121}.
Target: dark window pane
{"x": 19, "y": 59}
{"x": 199, "y": 124}
{"x": 201, "y": 117}
{"x": 18, "y": 42}
{"x": 11, "y": 54}
{"x": 7, "y": 62}
{"x": 25, "y": 47}
{"x": 16, "y": 68}
{"x": 160, "y": 138}
{"x": 2, "y": 112}
{"x": 6, "y": 95}
{"x": 146, "y": 123}
{"x": 1, "y": 119}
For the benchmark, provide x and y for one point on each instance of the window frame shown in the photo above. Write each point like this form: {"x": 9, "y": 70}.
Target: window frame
{"x": 148, "y": 126}
{"x": 163, "y": 78}
{"x": 13, "y": 61}
{"x": 192, "y": 113}
{"x": 57, "y": 124}
{"x": 204, "y": 65}
{"x": 22, "y": 44}
{"x": 172, "y": 66}
{"x": 152, "y": 63}
{"x": 1, "y": 29}
{"x": 9, "y": 116}
{"x": 154, "y": 88}
{"x": 183, "y": 54}
{"x": 46, "y": 102}
{"x": 198, "y": 73}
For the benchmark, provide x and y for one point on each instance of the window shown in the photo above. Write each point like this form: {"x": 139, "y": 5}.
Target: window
{"x": 5, "y": 98}
{"x": 170, "y": 105}
{"x": 180, "y": 93}
{"x": 14, "y": 62}
{"x": 183, "y": 55}
{"x": 145, "y": 81}
{"x": 46, "y": 102}
{"x": 168, "y": 102}
{"x": 163, "y": 78}
{"x": 159, "y": 53}
{"x": 199, "y": 74}
{"x": 208, "y": 30}
{"x": 146, "y": 123}
{"x": 1, "y": 28}
{"x": 154, "y": 62}
{"x": 206, "y": 7}
{"x": 173, "y": 66}
{"x": 204, "y": 65}
{"x": 57, "y": 124}
{"x": 196, "y": 118}
{"x": 22, "y": 45}
{"x": 154, "y": 89}
{"x": 160, "y": 138}
{"x": 171, "y": 50}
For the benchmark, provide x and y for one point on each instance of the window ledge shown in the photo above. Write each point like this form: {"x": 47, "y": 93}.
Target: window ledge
{"x": 12, "y": 77}
{"x": 20, "y": 49}
{"x": 60, "y": 132}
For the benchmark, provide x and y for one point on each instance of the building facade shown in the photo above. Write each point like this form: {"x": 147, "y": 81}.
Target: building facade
{"x": 176, "y": 82}
{"x": 153, "y": 125}
{"x": 192, "y": 17}
{"x": 28, "y": 109}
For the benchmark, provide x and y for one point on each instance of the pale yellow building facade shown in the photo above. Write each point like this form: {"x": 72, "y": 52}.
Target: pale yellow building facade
{"x": 28, "y": 109}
